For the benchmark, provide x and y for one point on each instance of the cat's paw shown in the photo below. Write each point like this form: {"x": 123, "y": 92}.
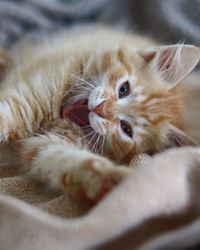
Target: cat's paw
{"x": 101, "y": 176}
{"x": 96, "y": 177}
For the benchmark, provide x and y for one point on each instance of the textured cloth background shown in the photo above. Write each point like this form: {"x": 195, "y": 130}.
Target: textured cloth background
{"x": 21, "y": 17}
{"x": 167, "y": 21}
{"x": 150, "y": 210}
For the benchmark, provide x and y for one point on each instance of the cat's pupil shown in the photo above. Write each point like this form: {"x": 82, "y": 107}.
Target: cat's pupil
{"x": 124, "y": 90}
{"x": 126, "y": 127}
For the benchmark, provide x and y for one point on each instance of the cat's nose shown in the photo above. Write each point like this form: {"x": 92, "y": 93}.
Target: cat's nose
{"x": 99, "y": 110}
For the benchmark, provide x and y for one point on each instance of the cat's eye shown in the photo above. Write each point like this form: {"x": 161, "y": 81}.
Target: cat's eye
{"x": 124, "y": 90}
{"x": 126, "y": 128}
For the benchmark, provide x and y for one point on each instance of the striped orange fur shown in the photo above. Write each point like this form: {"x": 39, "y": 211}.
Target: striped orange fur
{"x": 71, "y": 71}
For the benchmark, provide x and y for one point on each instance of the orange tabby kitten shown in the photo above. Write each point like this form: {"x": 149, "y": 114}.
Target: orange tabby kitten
{"x": 82, "y": 104}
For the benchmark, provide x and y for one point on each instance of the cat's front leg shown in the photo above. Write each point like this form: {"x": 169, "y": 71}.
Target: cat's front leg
{"x": 64, "y": 166}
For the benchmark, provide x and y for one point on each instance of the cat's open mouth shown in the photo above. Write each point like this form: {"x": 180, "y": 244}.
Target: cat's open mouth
{"x": 78, "y": 112}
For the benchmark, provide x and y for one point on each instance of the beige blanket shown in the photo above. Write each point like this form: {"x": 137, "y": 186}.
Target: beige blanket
{"x": 156, "y": 207}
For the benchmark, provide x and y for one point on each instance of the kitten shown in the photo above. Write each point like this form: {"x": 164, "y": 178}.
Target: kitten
{"x": 81, "y": 105}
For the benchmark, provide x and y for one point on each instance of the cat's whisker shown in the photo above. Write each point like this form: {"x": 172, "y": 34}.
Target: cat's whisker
{"x": 92, "y": 138}
{"x": 74, "y": 86}
{"x": 73, "y": 99}
{"x": 72, "y": 89}
{"x": 84, "y": 137}
{"x": 80, "y": 85}
{"x": 83, "y": 88}
{"x": 94, "y": 79}
{"x": 82, "y": 94}
{"x": 101, "y": 147}
{"x": 84, "y": 81}
{"x": 93, "y": 146}
{"x": 88, "y": 83}
{"x": 82, "y": 91}
{"x": 87, "y": 126}
{"x": 89, "y": 142}
{"x": 102, "y": 139}
{"x": 97, "y": 144}
{"x": 88, "y": 130}
{"x": 75, "y": 74}
{"x": 68, "y": 91}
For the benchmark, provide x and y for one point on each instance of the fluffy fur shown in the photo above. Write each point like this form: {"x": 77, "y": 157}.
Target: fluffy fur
{"x": 92, "y": 65}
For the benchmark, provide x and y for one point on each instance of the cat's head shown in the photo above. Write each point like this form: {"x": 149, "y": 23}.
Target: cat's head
{"x": 132, "y": 99}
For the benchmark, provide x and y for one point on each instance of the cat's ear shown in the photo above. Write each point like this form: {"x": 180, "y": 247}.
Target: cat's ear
{"x": 177, "y": 138}
{"x": 173, "y": 63}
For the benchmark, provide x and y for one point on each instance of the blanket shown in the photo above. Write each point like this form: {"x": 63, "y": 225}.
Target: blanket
{"x": 156, "y": 207}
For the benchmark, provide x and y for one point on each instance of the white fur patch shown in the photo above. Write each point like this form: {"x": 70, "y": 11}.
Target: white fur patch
{"x": 98, "y": 123}
{"x": 6, "y": 110}
{"x": 140, "y": 98}
{"x": 139, "y": 130}
{"x": 141, "y": 121}
{"x": 96, "y": 98}
{"x": 138, "y": 89}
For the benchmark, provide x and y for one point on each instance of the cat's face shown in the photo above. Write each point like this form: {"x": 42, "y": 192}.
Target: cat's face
{"x": 127, "y": 102}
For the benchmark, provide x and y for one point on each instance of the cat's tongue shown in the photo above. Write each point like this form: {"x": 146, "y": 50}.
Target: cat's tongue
{"x": 78, "y": 113}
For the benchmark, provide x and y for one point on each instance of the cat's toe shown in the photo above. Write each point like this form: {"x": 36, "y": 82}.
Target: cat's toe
{"x": 102, "y": 176}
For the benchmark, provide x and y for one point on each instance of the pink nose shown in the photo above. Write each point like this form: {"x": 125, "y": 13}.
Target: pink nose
{"x": 99, "y": 110}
